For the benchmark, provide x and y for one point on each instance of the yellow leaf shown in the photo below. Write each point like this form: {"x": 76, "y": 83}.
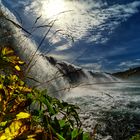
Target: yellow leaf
{"x": 0, "y": 98}
{"x": 25, "y": 89}
{"x": 31, "y": 136}
{"x": 12, "y": 87}
{"x": 23, "y": 115}
{"x": 13, "y": 59}
{"x": 12, "y": 131}
{"x": 7, "y": 51}
{"x": 30, "y": 139}
{"x": 21, "y": 62}
{"x": 17, "y": 68}
{"x": 1, "y": 86}
{"x": 3, "y": 137}
{"x": 13, "y": 77}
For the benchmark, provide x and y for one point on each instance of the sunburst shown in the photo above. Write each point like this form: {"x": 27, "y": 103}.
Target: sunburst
{"x": 53, "y": 7}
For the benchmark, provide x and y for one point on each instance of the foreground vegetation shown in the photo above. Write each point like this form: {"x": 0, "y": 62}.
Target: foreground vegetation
{"x": 27, "y": 113}
{"x": 30, "y": 114}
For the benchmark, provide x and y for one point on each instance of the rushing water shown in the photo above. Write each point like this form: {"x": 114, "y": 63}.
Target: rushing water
{"x": 115, "y": 107}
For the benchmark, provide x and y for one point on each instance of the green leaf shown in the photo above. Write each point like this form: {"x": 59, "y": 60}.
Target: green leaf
{"x": 44, "y": 92}
{"x": 30, "y": 96}
{"x": 136, "y": 137}
{"x": 62, "y": 123}
{"x": 86, "y": 136}
{"x": 60, "y": 137}
{"x": 3, "y": 123}
{"x": 48, "y": 104}
{"x": 75, "y": 133}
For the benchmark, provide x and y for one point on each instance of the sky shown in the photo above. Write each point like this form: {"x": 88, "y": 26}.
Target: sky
{"x": 106, "y": 33}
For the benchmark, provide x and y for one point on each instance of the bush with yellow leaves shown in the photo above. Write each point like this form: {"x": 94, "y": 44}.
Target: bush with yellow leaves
{"x": 52, "y": 120}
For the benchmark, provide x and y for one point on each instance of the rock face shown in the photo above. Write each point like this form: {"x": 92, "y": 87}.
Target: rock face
{"x": 132, "y": 74}
{"x": 76, "y": 75}
{"x": 51, "y": 60}
{"x": 72, "y": 73}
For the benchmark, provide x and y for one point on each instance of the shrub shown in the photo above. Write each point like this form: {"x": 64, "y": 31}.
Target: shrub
{"x": 136, "y": 137}
{"x": 30, "y": 114}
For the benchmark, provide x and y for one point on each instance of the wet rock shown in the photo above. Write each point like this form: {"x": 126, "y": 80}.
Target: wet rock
{"x": 72, "y": 73}
{"x": 52, "y": 60}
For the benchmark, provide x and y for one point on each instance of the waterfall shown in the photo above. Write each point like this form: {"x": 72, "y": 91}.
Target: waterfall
{"x": 41, "y": 70}
{"x": 51, "y": 74}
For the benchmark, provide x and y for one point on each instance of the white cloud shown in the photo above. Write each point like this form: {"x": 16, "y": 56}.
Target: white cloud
{"x": 62, "y": 48}
{"x": 94, "y": 66}
{"x": 119, "y": 13}
{"x": 86, "y": 16}
{"x": 129, "y": 64}
{"x": 88, "y": 20}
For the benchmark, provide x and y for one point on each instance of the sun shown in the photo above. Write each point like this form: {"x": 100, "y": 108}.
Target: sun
{"x": 53, "y": 7}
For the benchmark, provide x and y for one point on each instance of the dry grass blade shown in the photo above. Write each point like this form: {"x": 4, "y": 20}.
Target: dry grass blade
{"x": 28, "y": 66}
{"x": 17, "y": 25}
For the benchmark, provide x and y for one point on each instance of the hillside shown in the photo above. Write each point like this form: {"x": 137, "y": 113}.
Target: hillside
{"x": 131, "y": 74}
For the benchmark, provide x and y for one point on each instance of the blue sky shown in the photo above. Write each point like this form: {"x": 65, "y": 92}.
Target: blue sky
{"x": 106, "y": 32}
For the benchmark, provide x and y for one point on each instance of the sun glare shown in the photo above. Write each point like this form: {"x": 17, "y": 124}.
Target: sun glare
{"x": 53, "y": 7}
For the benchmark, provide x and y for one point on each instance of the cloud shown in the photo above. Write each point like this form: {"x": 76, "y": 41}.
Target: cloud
{"x": 90, "y": 20}
{"x": 110, "y": 17}
{"x": 94, "y": 66}
{"x": 94, "y": 21}
{"x": 62, "y": 48}
{"x": 129, "y": 64}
